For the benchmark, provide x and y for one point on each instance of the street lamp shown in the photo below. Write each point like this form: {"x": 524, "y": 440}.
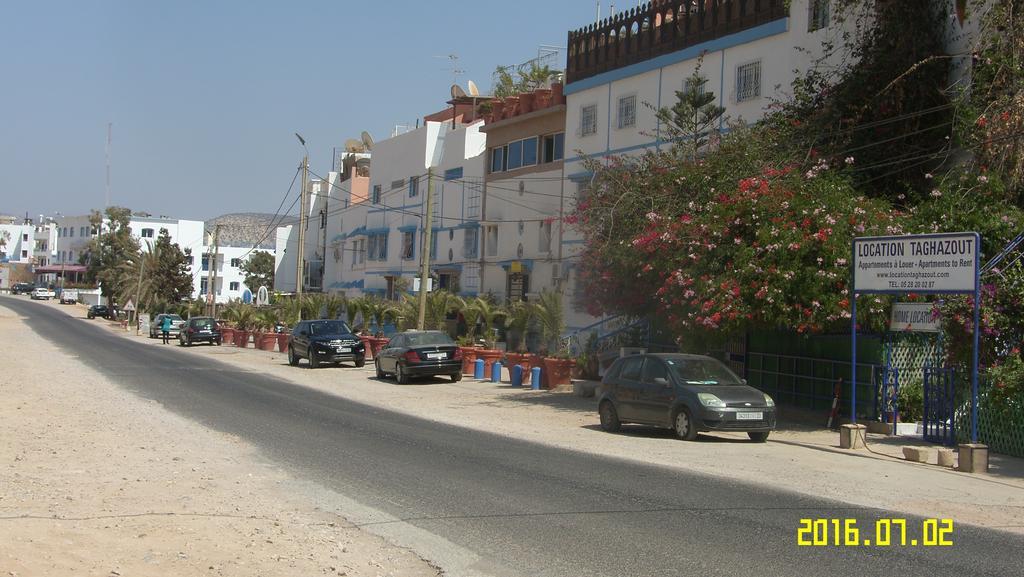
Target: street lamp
{"x": 303, "y": 216}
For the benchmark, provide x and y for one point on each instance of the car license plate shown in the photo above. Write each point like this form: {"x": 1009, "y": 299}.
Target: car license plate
{"x": 749, "y": 416}
{"x": 204, "y": 332}
{"x": 437, "y": 355}
{"x": 344, "y": 349}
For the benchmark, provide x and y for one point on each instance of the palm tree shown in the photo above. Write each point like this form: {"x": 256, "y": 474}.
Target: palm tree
{"x": 229, "y": 312}
{"x": 439, "y": 304}
{"x": 353, "y": 307}
{"x": 245, "y": 318}
{"x": 196, "y": 308}
{"x": 520, "y": 313}
{"x": 333, "y": 305}
{"x": 379, "y": 311}
{"x": 291, "y": 311}
{"x": 549, "y": 313}
{"x": 266, "y": 319}
{"x": 487, "y": 313}
{"x": 312, "y": 306}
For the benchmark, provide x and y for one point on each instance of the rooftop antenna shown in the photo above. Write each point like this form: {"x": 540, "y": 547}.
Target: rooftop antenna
{"x": 110, "y": 133}
{"x": 455, "y": 70}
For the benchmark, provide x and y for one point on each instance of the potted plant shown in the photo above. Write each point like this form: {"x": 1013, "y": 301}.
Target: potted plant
{"x": 229, "y": 315}
{"x": 291, "y": 314}
{"x": 557, "y": 94}
{"x": 266, "y": 319}
{"x": 379, "y": 311}
{"x": 526, "y": 101}
{"x": 468, "y": 349}
{"x": 243, "y": 325}
{"x": 520, "y": 313}
{"x": 486, "y": 312}
{"x": 557, "y": 366}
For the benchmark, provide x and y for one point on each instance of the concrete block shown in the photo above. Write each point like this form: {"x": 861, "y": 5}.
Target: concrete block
{"x": 879, "y": 428}
{"x": 946, "y": 457}
{"x": 973, "y": 458}
{"x": 852, "y": 436}
{"x": 917, "y": 454}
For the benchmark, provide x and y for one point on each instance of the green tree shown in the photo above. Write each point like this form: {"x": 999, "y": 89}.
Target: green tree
{"x": 528, "y": 80}
{"x": 258, "y": 270}
{"x": 107, "y": 252}
{"x": 695, "y": 117}
{"x": 171, "y": 277}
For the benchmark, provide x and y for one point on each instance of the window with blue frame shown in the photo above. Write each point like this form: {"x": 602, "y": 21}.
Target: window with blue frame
{"x": 414, "y": 186}
{"x": 377, "y": 246}
{"x": 498, "y": 159}
{"x": 375, "y": 199}
{"x": 408, "y": 244}
{"x": 456, "y": 173}
{"x": 553, "y": 147}
{"x": 470, "y": 243}
{"x": 433, "y": 244}
{"x": 515, "y": 155}
{"x": 530, "y": 151}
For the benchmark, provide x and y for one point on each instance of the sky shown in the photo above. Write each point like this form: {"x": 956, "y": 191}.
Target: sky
{"x": 204, "y": 96}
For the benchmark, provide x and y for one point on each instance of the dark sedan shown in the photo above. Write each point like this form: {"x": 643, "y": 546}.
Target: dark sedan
{"x": 420, "y": 354}
{"x": 325, "y": 341}
{"x": 98, "y": 311}
{"x": 199, "y": 330}
{"x": 686, "y": 393}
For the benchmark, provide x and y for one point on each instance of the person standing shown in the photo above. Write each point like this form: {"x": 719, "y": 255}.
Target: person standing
{"x": 165, "y": 328}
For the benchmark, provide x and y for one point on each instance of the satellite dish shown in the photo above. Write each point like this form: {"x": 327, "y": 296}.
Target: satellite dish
{"x": 367, "y": 140}
{"x": 457, "y": 91}
{"x": 473, "y": 91}
{"x": 353, "y": 145}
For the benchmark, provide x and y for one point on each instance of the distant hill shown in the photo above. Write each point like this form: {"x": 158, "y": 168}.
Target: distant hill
{"x": 249, "y": 228}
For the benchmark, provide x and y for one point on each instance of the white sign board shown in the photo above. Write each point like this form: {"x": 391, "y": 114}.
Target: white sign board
{"x": 416, "y": 284}
{"x": 129, "y": 306}
{"x": 926, "y": 263}
{"x": 914, "y": 317}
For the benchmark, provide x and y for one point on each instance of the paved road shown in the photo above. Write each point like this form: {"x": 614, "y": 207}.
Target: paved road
{"x": 491, "y": 505}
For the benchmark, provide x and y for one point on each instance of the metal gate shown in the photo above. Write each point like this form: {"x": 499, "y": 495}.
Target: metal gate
{"x": 939, "y": 406}
{"x": 888, "y": 393}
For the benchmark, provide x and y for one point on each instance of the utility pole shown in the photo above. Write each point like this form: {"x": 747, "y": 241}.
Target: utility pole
{"x": 211, "y": 274}
{"x": 303, "y": 223}
{"x": 427, "y": 230}
{"x": 138, "y": 291}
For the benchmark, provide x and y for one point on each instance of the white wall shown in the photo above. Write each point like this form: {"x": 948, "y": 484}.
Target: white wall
{"x": 19, "y": 241}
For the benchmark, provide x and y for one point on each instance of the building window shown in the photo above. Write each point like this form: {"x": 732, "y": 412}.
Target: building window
{"x": 71, "y": 231}
{"x": 236, "y": 262}
{"x": 554, "y": 147}
{"x": 588, "y": 120}
{"x": 377, "y": 247}
{"x": 433, "y": 245}
{"x": 471, "y": 243}
{"x": 627, "y": 111}
{"x": 544, "y": 246}
{"x": 515, "y": 155}
{"x": 24, "y": 254}
{"x": 396, "y": 184}
{"x": 376, "y": 194}
{"x": 206, "y": 263}
{"x": 453, "y": 173}
{"x": 498, "y": 159}
{"x": 414, "y": 186}
{"x": 147, "y": 233}
{"x": 190, "y": 260}
{"x": 819, "y": 15}
{"x": 233, "y": 286}
{"x": 81, "y": 231}
{"x": 530, "y": 151}
{"x": 748, "y": 81}
{"x": 491, "y": 245}
{"x": 203, "y": 286}
{"x": 24, "y": 237}
{"x": 408, "y": 244}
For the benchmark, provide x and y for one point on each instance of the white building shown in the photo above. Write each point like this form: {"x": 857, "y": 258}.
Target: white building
{"x": 17, "y": 243}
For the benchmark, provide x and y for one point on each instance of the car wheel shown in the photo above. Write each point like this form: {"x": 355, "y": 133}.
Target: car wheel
{"x": 400, "y": 375}
{"x": 293, "y": 359}
{"x": 380, "y": 373}
{"x": 311, "y": 357}
{"x": 758, "y": 437}
{"x": 609, "y": 417}
{"x": 360, "y": 362}
{"x": 684, "y": 425}
{"x": 181, "y": 342}
{"x": 456, "y": 377}
{"x": 216, "y": 342}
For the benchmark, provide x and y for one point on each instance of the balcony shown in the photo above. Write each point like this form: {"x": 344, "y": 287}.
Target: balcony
{"x": 661, "y": 27}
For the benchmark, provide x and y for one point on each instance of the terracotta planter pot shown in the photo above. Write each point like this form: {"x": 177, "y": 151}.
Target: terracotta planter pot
{"x": 489, "y": 356}
{"x": 523, "y": 359}
{"x": 556, "y": 372}
{"x": 542, "y": 98}
{"x": 497, "y": 109}
{"x": 242, "y": 339}
{"x": 368, "y": 345}
{"x": 227, "y": 335}
{"x": 557, "y": 94}
{"x": 468, "y": 359}
{"x": 378, "y": 343}
{"x": 511, "y": 107}
{"x": 266, "y": 341}
{"x": 282, "y": 342}
{"x": 526, "y": 102}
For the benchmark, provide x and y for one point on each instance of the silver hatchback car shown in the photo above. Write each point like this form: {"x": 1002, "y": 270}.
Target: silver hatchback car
{"x": 687, "y": 393}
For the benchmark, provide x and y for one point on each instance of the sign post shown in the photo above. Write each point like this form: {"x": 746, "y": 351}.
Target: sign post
{"x": 926, "y": 263}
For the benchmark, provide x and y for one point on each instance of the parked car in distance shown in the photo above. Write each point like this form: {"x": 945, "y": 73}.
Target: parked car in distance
{"x": 325, "y": 341}
{"x": 686, "y": 393}
{"x": 68, "y": 296}
{"x": 420, "y": 354}
{"x": 22, "y": 288}
{"x": 98, "y": 311}
{"x": 42, "y": 293}
{"x": 176, "y": 324}
{"x": 199, "y": 330}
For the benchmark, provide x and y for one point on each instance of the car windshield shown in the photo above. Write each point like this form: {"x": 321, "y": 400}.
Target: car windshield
{"x": 697, "y": 371}
{"x": 174, "y": 317}
{"x": 203, "y": 323}
{"x": 418, "y": 339}
{"x": 329, "y": 328}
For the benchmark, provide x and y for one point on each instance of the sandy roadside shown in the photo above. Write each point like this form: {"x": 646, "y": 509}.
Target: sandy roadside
{"x": 96, "y": 481}
{"x": 805, "y": 461}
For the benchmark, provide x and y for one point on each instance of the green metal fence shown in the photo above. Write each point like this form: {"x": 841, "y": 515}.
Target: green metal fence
{"x": 1000, "y": 421}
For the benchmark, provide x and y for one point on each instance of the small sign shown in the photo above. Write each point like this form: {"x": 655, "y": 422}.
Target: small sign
{"x": 915, "y": 317}
{"x": 925, "y": 263}
{"x": 416, "y": 284}
{"x": 262, "y": 297}
{"x": 515, "y": 267}
{"x": 128, "y": 306}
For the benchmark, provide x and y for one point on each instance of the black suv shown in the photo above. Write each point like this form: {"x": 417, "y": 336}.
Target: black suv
{"x": 325, "y": 341}
{"x": 22, "y": 288}
{"x": 98, "y": 311}
{"x": 199, "y": 330}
